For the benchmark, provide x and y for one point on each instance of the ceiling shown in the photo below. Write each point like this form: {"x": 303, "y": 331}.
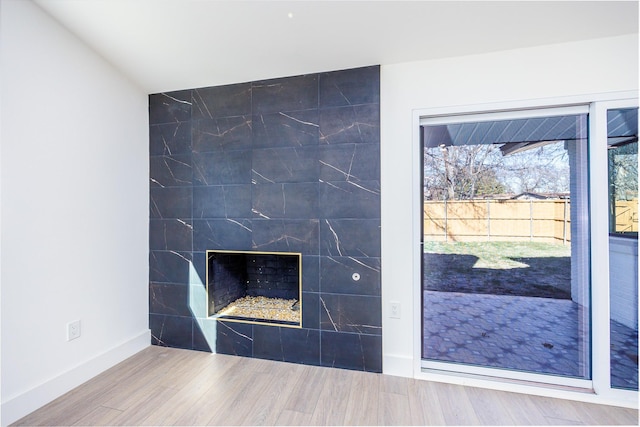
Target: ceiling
{"x": 165, "y": 45}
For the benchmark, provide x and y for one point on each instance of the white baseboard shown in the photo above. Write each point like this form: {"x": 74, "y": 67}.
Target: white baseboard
{"x": 27, "y": 402}
{"x": 398, "y": 366}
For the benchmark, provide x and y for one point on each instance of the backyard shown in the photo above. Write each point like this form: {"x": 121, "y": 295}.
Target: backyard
{"x": 531, "y": 269}
{"x": 478, "y": 310}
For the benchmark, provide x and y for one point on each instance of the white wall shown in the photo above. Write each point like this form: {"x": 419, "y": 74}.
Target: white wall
{"x": 571, "y": 69}
{"x": 75, "y": 195}
{"x": 74, "y": 211}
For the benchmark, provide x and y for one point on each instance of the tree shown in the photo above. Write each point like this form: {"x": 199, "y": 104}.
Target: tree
{"x": 541, "y": 170}
{"x": 470, "y": 171}
{"x": 461, "y": 172}
{"x": 623, "y": 171}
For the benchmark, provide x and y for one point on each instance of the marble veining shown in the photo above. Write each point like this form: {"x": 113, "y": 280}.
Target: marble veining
{"x": 342, "y": 94}
{"x": 170, "y": 299}
{"x": 260, "y": 214}
{"x": 170, "y": 139}
{"x": 350, "y": 87}
{"x": 355, "y": 162}
{"x": 158, "y": 336}
{"x": 324, "y": 305}
{"x": 171, "y": 202}
{"x": 335, "y": 236}
{"x": 221, "y": 134}
{"x": 288, "y": 164}
{"x": 286, "y": 129}
{"x": 222, "y": 233}
{"x": 297, "y": 120}
{"x": 226, "y": 328}
{"x": 222, "y": 167}
{"x": 286, "y": 238}
{"x": 221, "y": 101}
{"x": 264, "y": 178}
{"x": 167, "y": 266}
{"x": 359, "y": 262}
{"x": 222, "y": 201}
{"x": 344, "y": 125}
{"x": 363, "y": 329}
{"x": 180, "y": 255}
{"x": 287, "y": 235}
{"x": 357, "y": 126}
{"x": 170, "y": 234}
{"x": 362, "y": 187}
{"x": 347, "y": 174}
{"x": 351, "y": 313}
{"x": 170, "y": 171}
{"x": 169, "y": 107}
{"x": 350, "y": 237}
{"x": 156, "y": 182}
{"x": 285, "y": 165}
{"x": 238, "y": 223}
{"x": 182, "y": 101}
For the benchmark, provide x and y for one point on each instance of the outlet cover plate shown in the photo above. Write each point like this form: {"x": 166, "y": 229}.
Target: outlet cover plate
{"x": 73, "y": 330}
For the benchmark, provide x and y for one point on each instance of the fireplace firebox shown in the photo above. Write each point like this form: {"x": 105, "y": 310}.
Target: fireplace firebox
{"x": 255, "y": 287}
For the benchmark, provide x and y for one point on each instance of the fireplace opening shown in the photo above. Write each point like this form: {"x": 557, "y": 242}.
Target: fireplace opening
{"x": 256, "y": 287}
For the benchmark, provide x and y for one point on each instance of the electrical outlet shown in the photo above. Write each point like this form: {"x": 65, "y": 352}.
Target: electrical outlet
{"x": 73, "y": 330}
{"x": 394, "y": 310}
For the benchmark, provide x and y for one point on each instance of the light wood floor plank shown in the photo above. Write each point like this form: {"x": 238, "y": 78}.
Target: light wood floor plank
{"x": 393, "y": 409}
{"x": 557, "y": 410}
{"x": 81, "y": 401}
{"x": 293, "y": 418}
{"x": 184, "y": 371}
{"x": 424, "y": 402}
{"x": 522, "y": 409}
{"x": 243, "y": 398}
{"x": 456, "y": 406}
{"x": 130, "y": 390}
{"x": 100, "y": 416}
{"x": 249, "y": 390}
{"x": 362, "y": 403}
{"x": 268, "y": 406}
{"x": 591, "y": 414}
{"x": 202, "y": 408}
{"x": 208, "y": 410}
{"x": 136, "y": 413}
{"x": 188, "y": 394}
{"x": 393, "y": 384}
{"x": 306, "y": 391}
{"x": 332, "y": 402}
{"x": 162, "y": 386}
{"x": 489, "y": 407}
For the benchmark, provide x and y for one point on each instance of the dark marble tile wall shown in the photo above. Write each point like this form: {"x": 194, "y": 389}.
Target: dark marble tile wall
{"x": 290, "y": 164}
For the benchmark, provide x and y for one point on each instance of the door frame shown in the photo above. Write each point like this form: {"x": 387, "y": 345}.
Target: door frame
{"x": 598, "y": 389}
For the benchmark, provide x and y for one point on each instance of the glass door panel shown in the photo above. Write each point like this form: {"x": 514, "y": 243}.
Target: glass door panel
{"x": 505, "y": 243}
{"x": 622, "y": 144}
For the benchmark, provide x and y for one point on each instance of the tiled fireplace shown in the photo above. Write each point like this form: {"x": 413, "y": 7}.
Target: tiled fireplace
{"x": 289, "y": 165}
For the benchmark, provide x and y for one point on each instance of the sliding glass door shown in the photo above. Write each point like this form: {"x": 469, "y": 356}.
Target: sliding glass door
{"x": 505, "y": 243}
{"x": 622, "y": 149}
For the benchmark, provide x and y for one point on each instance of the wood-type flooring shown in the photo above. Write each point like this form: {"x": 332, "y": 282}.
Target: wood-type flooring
{"x": 165, "y": 386}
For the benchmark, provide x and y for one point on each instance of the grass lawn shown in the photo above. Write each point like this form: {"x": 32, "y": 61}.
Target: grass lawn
{"x": 499, "y": 255}
{"x": 501, "y": 268}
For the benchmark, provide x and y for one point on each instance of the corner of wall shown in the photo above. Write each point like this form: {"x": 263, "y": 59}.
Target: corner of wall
{"x": 18, "y": 406}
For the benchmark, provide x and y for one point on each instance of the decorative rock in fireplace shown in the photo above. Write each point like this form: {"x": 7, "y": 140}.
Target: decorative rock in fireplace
{"x": 255, "y": 287}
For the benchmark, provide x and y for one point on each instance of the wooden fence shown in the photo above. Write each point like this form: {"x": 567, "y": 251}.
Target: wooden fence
{"x": 511, "y": 220}
{"x": 627, "y": 216}
{"x": 498, "y": 220}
